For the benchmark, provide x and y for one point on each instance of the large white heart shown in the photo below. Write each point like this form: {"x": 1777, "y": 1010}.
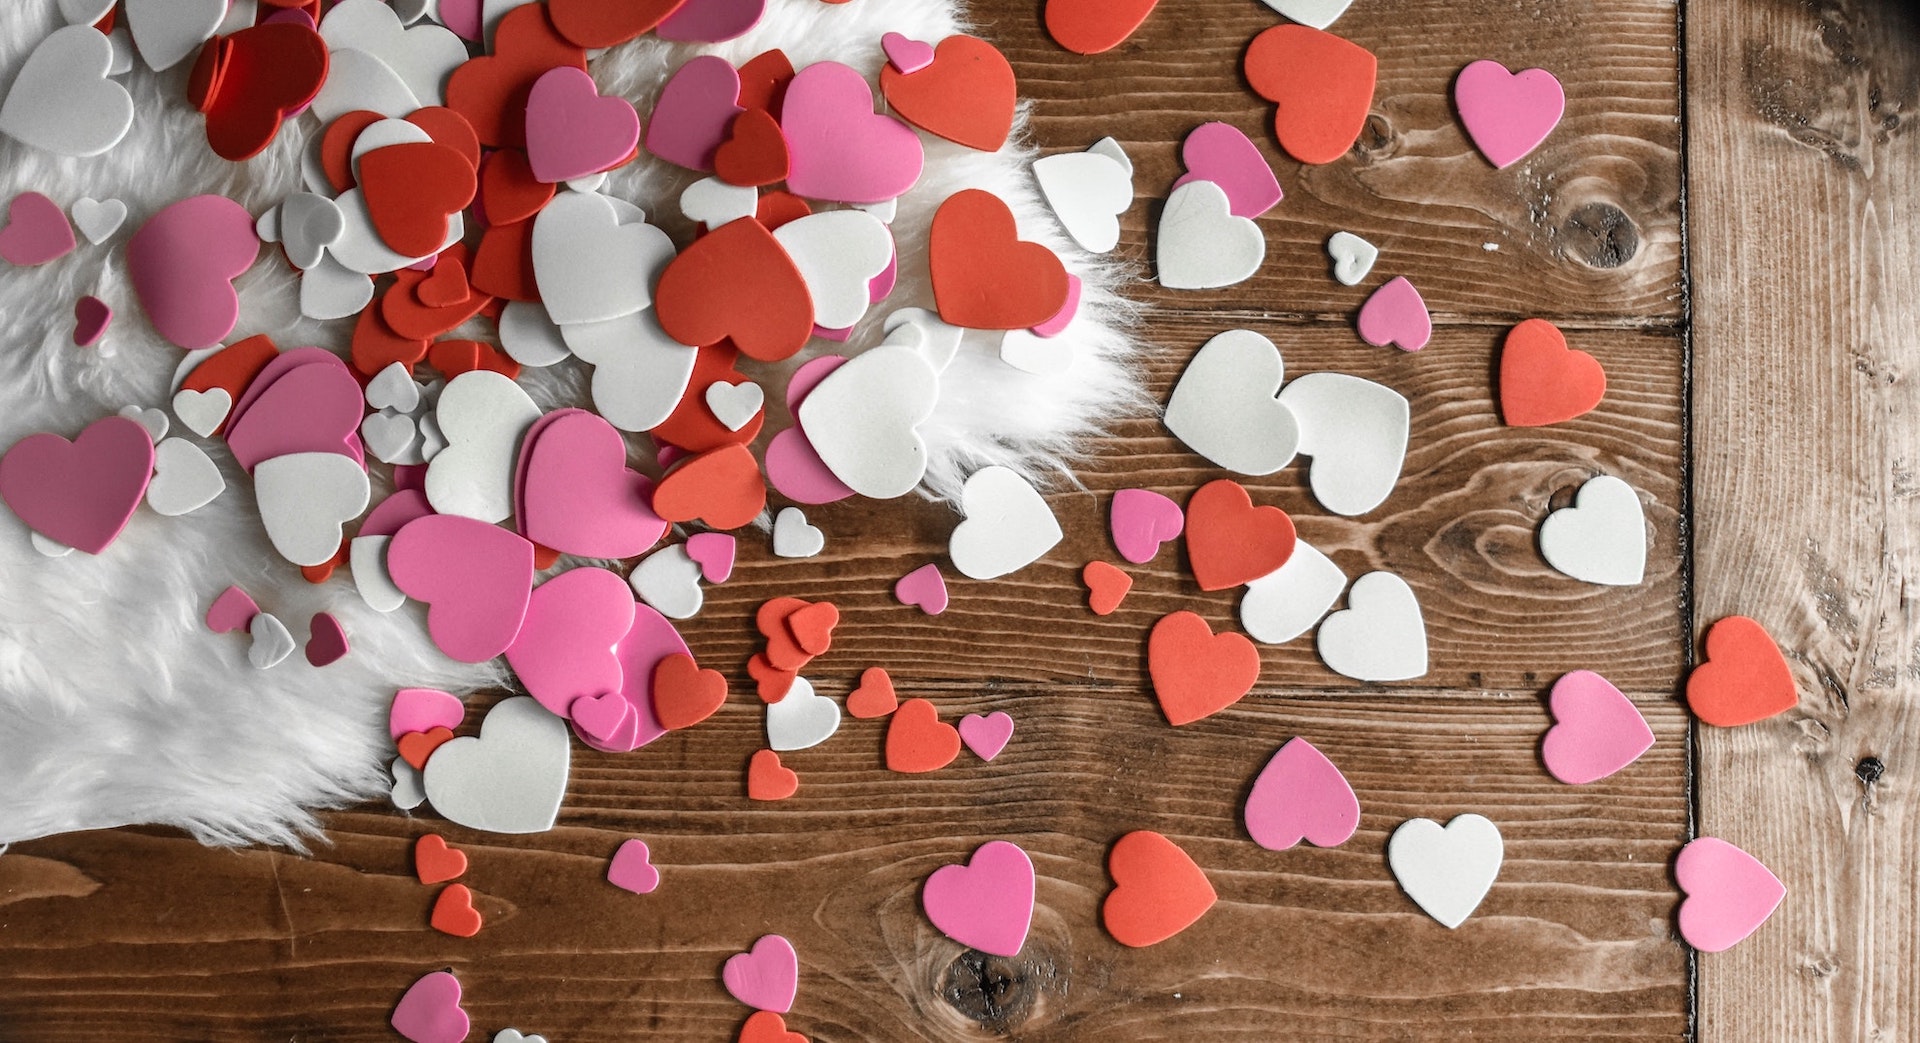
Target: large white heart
{"x": 184, "y": 479}
{"x": 1447, "y": 870}
{"x": 1226, "y": 406}
{"x": 1204, "y": 245}
{"x": 1602, "y": 538}
{"x": 1287, "y": 602}
{"x": 1088, "y": 192}
{"x": 1356, "y": 432}
{"x": 305, "y": 498}
{"x": 423, "y": 57}
{"x": 62, "y": 100}
{"x": 530, "y": 337}
{"x": 1380, "y": 636}
{"x": 166, "y": 31}
{"x": 802, "y": 719}
{"x": 863, "y": 419}
{"x": 510, "y": 778}
{"x": 1008, "y": 526}
{"x": 839, "y": 253}
{"x": 483, "y": 415}
{"x": 329, "y": 291}
{"x": 589, "y": 266}
{"x": 639, "y": 373}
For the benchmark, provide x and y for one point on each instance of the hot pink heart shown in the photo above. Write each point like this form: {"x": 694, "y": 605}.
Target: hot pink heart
{"x": 1142, "y": 520}
{"x": 37, "y": 231}
{"x": 1396, "y": 315}
{"x": 573, "y": 132}
{"x": 839, "y": 149}
{"x": 605, "y": 716}
{"x": 1300, "y": 795}
{"x": 651, "y": 639}
{"x": 395, "y": 512}
{"x": 578, "y": 496}
{"x": 695, "y": 112}
{"x": 232, "y": 611}
{"x": 986, "y": 735}
{"x": 1223, "y": 154}
{"x": 1729, "y": 894}
{"x": 632, "y": 868}
{"x": 907, "y": 54}
{"x": 315, "y": 408}
{"x": 714, "y": 551}
{"x": 924, "y": 588}
{"x": 711, "y": 21}
{"x": 564, "y": 650}
{"x": 423, "y": 709}
{"x": 326, "y": 640}
{"x": 183, "y": 262}
{"x": 476, "y": 579}
{"x": 1599, "y": 730}
{"x": 430, "y": 1011}
{"x": 91, "y": 317}
{"x": 986, "y": 904}
{"x": 80, "y": 493}
{"x": 1508, "y": 114}
{"x": 764, "y": 977}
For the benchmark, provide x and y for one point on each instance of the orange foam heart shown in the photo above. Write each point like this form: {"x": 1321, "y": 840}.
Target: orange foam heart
{"x": 771, "y": 682}
{"x": 1542, "y": 380}
{"x": 436, "y": 863}
{"x": 763, "y": 81}
{"x": 1745, "y": 678}
{"x": 1158, "y": 891}
{"x": 376, "y": 346}
{"x": 812, "y": 627}
{"x": 967, "y": 95}
{"x": 875, "y": 697}
{"x": 454, "y": 357}
{"x": 1322, "y": 84}
{"x": 767, "y": 1027}
{"x": 317, "y": 574}
{"x": 1107, "y": 586}
{"x": 692, "y": 425}
{"x": 1230, "y": 541}
{"x": 508, "y": 190}
{"x": 720, "y": 487}
{"x": 416, "y": 747}
{"x": 683, "y": 694}
{"x": 491, "y": 91}
{"x": 1197, "y": 673}
{"x": 605, "y": 23}
{"x": 413, "y": 190}
{"x": 754, "y": 154}
{"x": 984, "y": 275}
{"x": 768, "y": 779}
{"x": 737, "y": 282}
{"x": 454, "y": 914}
{"x": 918, "y": 741}
{"x": 1094, "y": 26}
{"x": 336, "y": 146}
{"x": 503, "y": 265}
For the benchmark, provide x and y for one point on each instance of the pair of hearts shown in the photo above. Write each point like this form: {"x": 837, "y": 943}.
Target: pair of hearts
{"x": 304, "y": 401}
{"x": 966, "y": 93}
{"x": 250, "y": 82}
{"x": 1287, "y": 602}
{"x": 492, "y": 91}
{"x": 565, "y": 649}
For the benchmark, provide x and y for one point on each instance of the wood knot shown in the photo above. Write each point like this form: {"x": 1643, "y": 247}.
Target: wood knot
{"x": 1601, "y": 235}
{"x": 995, "y": 992}
{"x": 1869, "y": 770}
{"x": 1375, "y": 137}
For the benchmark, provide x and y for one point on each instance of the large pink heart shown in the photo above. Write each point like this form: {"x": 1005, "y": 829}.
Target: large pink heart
{"x": 711, "y": 21}
{"x": 315, "y": 408}
{"x": 1508, "y": 114}
{"x": 986, "y": 904}
{"x": 572, "y": 131}
{"x": 1599, "y": 730}
{"x": 183, "y": 262}
{"x": 476, "y": 579}
{"x": 1729, "y": 894}
{"x": 651, "y": 639}
{"x": 37, "y": 231}
{"x": 579, "y": 497}
{"x": 695, "y": 112}
{"x": 839, "y": 148}
{"x": 565, "y": 648}
{"x": 764, "y": 977}
{"x": 82, "y": 492}
{"x": 1300, "y": 795}
{"x": 430, "y": 1011}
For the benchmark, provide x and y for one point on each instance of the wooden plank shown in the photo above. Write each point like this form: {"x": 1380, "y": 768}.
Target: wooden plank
{"x": 1804, "y": 175}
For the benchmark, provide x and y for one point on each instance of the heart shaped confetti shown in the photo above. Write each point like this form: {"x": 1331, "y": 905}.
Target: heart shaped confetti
{"x": 509, "y": 778}
{"x": 827, "y": 116}
{"x": 1744, "y": 678}
{"x": 1542, "y": 380}
{"x": 874, "y": 696}
{"x": 923, "y": 588}
{"x": 1141, "y": 520}
{"x": 1507, "y": 114}
{"x": 765, "y": 977}
{"x": 1226, "y": 405}
{"x": 966, "y": 94}
{"x": 232, "y": 611}
{"x": 986, "y": 904}
{"x": 1287, "y": 602}
{"x": 1203, "y": 244}
{"x": 1322, "y": 84}
{"x": 1447, "y": 871}
{"x": 1356, "y": 431}
{"x": 1197, "y": 673}
{"x": 1602, "y": 538}
{"x": 1352, "y": 256}
{"x": 1223, "y": 154}
{"x": 802, "y": 719}
{"x": 572, "y": 131}
{"x": 454, "y": 914}
{"x": 684, "y": 695}
{"x": 1158, "y": 891}
{"x": 986, "y": 734}
{"x": 1380, "y": 635}
{"x": 1095, "y": 26}
{"x": 564, "y": 649}
{"x": 1396, "y": 315}
{"x": 984, "y": 275}
{"x": 1300, "y": 795}
{"x": 1008, "y": 525}
{"x": 764, "y": 1026}
{"x": 476, "y": 579}
{"x": 918, "y": 740}
{"x": 326, "y": 640}
{"x": 632, "y": 868}
{"x": 61, "y": 99}
{"x": 1598, "y": 730}
{"x": 430, "y": 1011}
{"x": 36, "y": 231}
{"x": 183, "y": 262}
{"x": 1087, "y": 191}
{"x": 768, "y": 779}
{"x": 436, "y": 863}
{"x": 1230, "y": 541}
{"x": 1729, "y": 894}
{"x": 1107, "y": 586}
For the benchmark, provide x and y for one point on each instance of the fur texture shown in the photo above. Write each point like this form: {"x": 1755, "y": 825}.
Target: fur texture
{"x": 117, "y": 705}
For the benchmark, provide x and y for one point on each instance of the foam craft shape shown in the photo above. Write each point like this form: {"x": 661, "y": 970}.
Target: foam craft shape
{"x": 1107, "y": 586}
{"x": 939, "y": 340}
{"x": 986, "y": 734}
{"x": 600, "y": 23}
{"x": 529, "y": 336}
{"x": 36, "y": 231}
{"x": 392, "y": 438}
{"x": 793, "y": 537}
{"x": 684, "y": 695}
{"x": 712, "y": 202}
{"x": 1322, "y": 84}
{"x": 755, "y": 152}
{"x": 1729, "y": 894}
{"x": 1316, "y": 13}
{"x": 330, "y": 291}
{"x": 91, "y": 317}
{"x": 1095, "y": 26}
{"x": 393, "y": 388}
{"x": 714, "y": 551}
{"x": 1203, "y": 245}
{"x": 1396, "y": 315}
{"x": 509, "y": 193}
{"x": 923, "y": 588}
{"x": 1356, "y": 432}
{"x": 454, "y": 914}
{"x": 984, "y": 275}
{"x": 605, "y": 716}
{"x": 711, "y": 21}
{"x": 694, "y": 112}
{"x": 408, "y": 792}
{"x": 265, "y": 75}
{"x": 491, "y": 91}
{"x": 765, "y": 977}
{"x": 1158, "y": 891}
{"x": 1300, "y": 795}
{"x": 580, "y": 497}
{"x": 767, "y": 779}
{"x": 1352, "y": 256}
{"x": 1380, "y": 635}
{"x": 801, "y": 719}
{"x": 918, "y": 741}
{"x": 1223, "y": 154}
{"x": 423, "y": 709}
{"x": 1744, "y": 678}
{"x": 639, "y": 373}
{"x": 231, "y": 611}
{"x": 80, "y": 493}
{"x": 359, "y": 82}
{"x": 85, "y": 12}
{"x": 669, "y": 580}
{"x": 367, "y": 558}
{"x": 152, "y": 419}
{"x": 986, "y": 904}
{"x": 423, "y": 56}
{"x": 874, "y": 697}
{"x": 863, "y": 419}
{"x": 476, "y": 579}
{"x": 1141, "y": 520}
{"x": 1197, "y": 673}
{"x": 430, "y": 1011}
{"x": 565, "y": 648}
{"x": 414, "y": 192}
{"x": 721, "y": 487}
{"x": 1008, "y": 525}
{"x": 1542, "y": 380}
{"x": 272, "y": 643}
{"x": 1088, "y": 192}
{"x": 591, "y": 267}
{"x": 1602, "y": 538}
{"x": 1287, "y": 602}
{"x": 1598, "y": 730}
{"x": 838, "y": 253}
{"x": 906, "y": 54}
{"x": 309, "y": 409}
{"x": 305, "y": 499}
{"x": 508, "y": 779}
{"x": 1448, "y": 870}
{"x": 509, "y": 1035}
{"x": 166, "y": 31}
{"x": 1230, "y": 541}
{"x": 484, "y": 417}
{"x": 1507, "y": 114}
{"x": 436, "y": 863}
{"x": 736, "y": 283}
{"x": 183, "y": 262}
{"x": 62, "y": 101}
{"x": 184, "y": 479}
{"x": 1226, "y": 405}
{"x": 652, "y": 640}
{"x": 632, "y": 868}
{"x": 827, "y": 117}
{"x": 574, "y": 132}
{"x": 966, "y": 95}
{"x": 735, "y": 405}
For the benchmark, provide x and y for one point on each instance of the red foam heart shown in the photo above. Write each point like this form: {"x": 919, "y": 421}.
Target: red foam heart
{"x": 503, "y": 266}
{"x": 783, "y": 648}
{"x": 508, "y": 190}
{"x": 336, "y": 146}
{"x": 376, "y": 346}
{"x": 413, "y": 191}
{"x": 423, "y": 305}
{"x": 1745, "y": 678}
{"x": 918, "y": 740}
{"x": 767, "y": 1027}
{"x": 454, "y": 357}
{"x": 1322, "y": 84}
{"x": 812, "y": 627}
{"x": 763, "y": 81}
{"x": 605, "y": 23}
{"x": 1107, "y": 586}
{"x": 491, "y": 92}
{"x": 683, "y": 694}
{"x": 449, "y": 128}
{"x": 875, "y": 696}
{"x": 737, "y": 283}
{"x": 754, "y": 154}
{"x": 692, "y": 425}
{"x": 454, "y": 914}
{"x": 1093, "y": 26}
{"x": 1197, "y": 673}
{"x": 967, "y": 95}
{"x": 266, "y": 72}
{"x": 778, "y": 208}
{"x": 1230, "y": 541}
{"x": 771, "y": 683}
{"x": 1158, "y": 891}
{"x": 436, "y": 863}
{"x": 984, "y": 276}
{"x": 768, "y": 779}
{"x": 416, "y": 747}
{"x": 720, "y": 487}
{"x": 1542, "y": 380}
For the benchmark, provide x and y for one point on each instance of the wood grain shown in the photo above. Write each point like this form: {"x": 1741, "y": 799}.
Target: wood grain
{"x": 1805, "y": 252}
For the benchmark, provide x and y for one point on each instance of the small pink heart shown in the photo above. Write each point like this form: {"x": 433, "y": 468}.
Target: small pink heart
{"x": 695, "y": 113}
{"x": 907, "y": 54}
{"x": 986, "y": 735}
{"x": 604, "y": 716}
{"x": 81, "y": 493}
{"x": 1508, "y": 114}
{"x": 91, "y": 317}
{"x": 394, "y": 512}
{"x": 651, "y": 639}
{"x": 632, "y": 868}
{"x": 564, "y": 650}
{"x": 326, "y": 640}
{"x": 986, "y": 904}
{"x": 1300, "y": 795}
{"x": 1064, "y": 317}
{"x": 1396, "y": 315}
{"x": 231, "y": 611}
{"x": 1599, "y": 730}
{"x": 422, "y": 710}
{"x": 1729, "y": 894}
{"x": 476, "y": 579}
{"x": 315, "y": 408}
{"x": 37, "y": 231}
{"x": 578, "y": 495}
{"x": 183, "y": 262}
{"x": 1142, "y": 520}
{"x": 923, "y": 588}
{"x": 766, "y": 976}
{"x": 714, "y": 551}
{"x": 1223, "y": 154}
{"x": 574, "y": 132}
{"x": 840, "y": 149}
{"x": 711, "y": 21}
{"x": 463, "y": 17}
{"x": 430, "y": 1011}
{"x": 795, "y": 470}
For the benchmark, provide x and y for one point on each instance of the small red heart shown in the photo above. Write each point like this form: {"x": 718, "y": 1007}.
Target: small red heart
{"x": 692, "y": 425}
{"x": 967, "y": 95}
{"x": 683, "y": 694}
{"x": 1322, "y": 84}
{"x": 768, "y": 779}
{"x": 763, "y": 81}
{"x": 778, "y": 208}
{"x": 265, "y": 72}
{"x": 984, "y": 276}
{"x": 1745, "y": 678}
{"x": 754, "y": 154}
{"x": 491, "y": 92}
{"x": 605, "y": 23}
{"x": 508, "y": 190}
{"x": 436, "y": 863}
{"x": 1542, "y": 380}
{"x": 413, "y": 191}
{"x": 783, "y": 648}
{"x": 445, "y": 286}
{"x": 720, "y": 487}
{"x": 772, "y": 683}
{"x": 1230, "y": 541}
{"x": 376, "y": 346}
{"x": 918, "y": 741}
{"x": 454, "y": 914}
{"x": 737, "y": 282}
{"x": 875, "y": 697}
{"x": 1197, "y": 673}
{"x": 336, "y": 146}
{"x": 416, "y": 747}
{"x": 454, "y": 357}
{"x": 767, "y": 1027}
{"x": 411, "y": 315}
{"x": 1107, "y": 586}
{"x": 503, "y": 265}
{"x": 812, "y": 627}
{"x": 1158, "y": 891}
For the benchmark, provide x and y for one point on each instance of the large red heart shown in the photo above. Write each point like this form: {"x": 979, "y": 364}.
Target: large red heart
{"x": 1323, "y": 85}
{"x": 967, "y": 95}
{"x": 1158, "y": 891}
{"x": 413, "y": 190}
{"x": 491, "y": 92}
{"x": 604, "y": 23}
{"x": 984, "y": 276}
{"x": 1230, "y": 541}
{"x": 737, "y": 282}
{"x": 508, "y": 190}
{"x": 1197, "y": 673}
{"x": 1542, "y": 381}
{"x": 261, "y": 74}
{"x": 1745, "y": 678}
{"x": 720, "y": 487}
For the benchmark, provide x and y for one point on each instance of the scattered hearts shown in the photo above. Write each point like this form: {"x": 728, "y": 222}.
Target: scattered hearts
{"x": 1380, "y": 635}
{"x": 1008, "y": 525}
{"x": 1602, "y": 538}
{"x": 986, "y": 735}
{"x": 874, "y": 697}
{"x": 1230, "y": 541}
{"x": 430, "y": 1011}
{"x": 1287, "y": 602}
{"x": 918, "y": 741}
{"x": 1396, "y": 315}
{"x": 454, "y": 914}
{"x": 1322, "y": 84}
{"x": 1300, "y": 795}
{"x": 768, "y": 779}
{"x": 632, "y": 868}
{"x": 764, "y": 977}
{"x": 1744, "y": 678}
{"x": 1542, "y": 380}
{"x": 923, "y": 588}
{"x": 966, "y": 94}
{"x": 1729, "y": 894}
{"x": 986, "y": 904}
{"x": 1195, "y": 672}
{"x": 436, "y": 863}
{"x": 1158, "y": 891}
{"x": 1203, "y": 244}
{"x": 1507, "y": 114}
{"x": 1598, "y": 730}
{"x": 1107, "y": 586}
{"x": 1448, "y": 870}
{"x": 36, "y": 232}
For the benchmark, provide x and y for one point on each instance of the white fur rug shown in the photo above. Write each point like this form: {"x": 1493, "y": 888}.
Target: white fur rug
{"x": 117, "y": 705}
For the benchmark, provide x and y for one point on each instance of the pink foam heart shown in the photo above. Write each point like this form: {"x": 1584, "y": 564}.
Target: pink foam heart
{"x": 604, "y": 716}
{"x": 907, "y": 54}
{"x": 986, "y": 735}
{"x": 923, "y": 588}
{"x": 766, "y": 976}
{"x": 695, "y": 112}
{"x": 578, "y": 495}
{"x": 1508, "y": 114}
{"x": 476, "y": 579}
{"x": 395, "y": 512}
{"x": 37, "y": 231}
{"x": 80, "y": 493}
{"x": 808, "y": 377}
{"x": 881, "y": 285}
{"x": 1064, "y": 317}
{"x": 1300, "y": 795}
{"x": 231, "y": 611}
{"x": 711, "y": 21}
{"x": 839, "y": 149}
{"x": 1396, "y": 315}
{"x": 463, "y": 17}
{"x": 430, "y": 1011}
{"x": 795, "y": 470}
{"x": 1599, "y": 730}
{"x": 573, "y": 132}
{"x": 423, "y": 709}
{"x": 1729, "y": 894}
{"x": 714, "y": 551}
{"x": 326, "y": 640}
{"x": 309, "y": 409}
{"x": 183, "y": 262}
{"x": 279, "y": 366}
{"x": 1142, "y": 520}
{"x": 986, "y": 904}
{"x": 91, "y": 317}
{"x": 651, "y": 639}
{"x": 564, "y": 649}
{"x": 410, "y": 477}
{"x": 1223, "y": 154}
{"x": 632, "y": 868}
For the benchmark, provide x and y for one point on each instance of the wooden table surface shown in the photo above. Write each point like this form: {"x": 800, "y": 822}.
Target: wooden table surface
{"x": 1726, "y": 219}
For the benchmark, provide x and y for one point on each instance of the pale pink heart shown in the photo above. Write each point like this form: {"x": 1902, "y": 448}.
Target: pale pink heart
{"x": 1142, "y": 520}
{"x": 395, "y": 512}
{"x": 796, "y": 471}
{"x": 766, "y": 976}
{"x": 1508, "y": 114}
{"x": 81, "y": 493}
{"x": 714, "y": 551}
{"x": 602, "y": 716}
{"x": 279, "y": 366}
{"x": 808, "y": 377}
{"x": 476, "y": 579}
{"x": 231, "y": 611}
{"x": 183, "y": 262}
{"x": 881, "y": 285}
{"x": 1396, "y": 315}
{"x": 463, "y": 17}
{"x": 1223, "y": 154}
{"x": 1599, "y": 730}
{"x": 423, "y": 709}
{"x": 326, "y": 640}
{"x": 1300, "y": 795}
{"x": 651, "y": 639}
{"x": 986, "y": 904}
{"x": 525, "y": 457}
{"x": 1729, "y": 894}
{"x": 564, "y": 649}
{"x": 711, "y": 21}
{"x": 923, "y": 588}
{"x": 430, "y": 1011}
{"x": 574, "y": 132}
{"x": 695, "y": 112}
{"x": 91, "y": 317}
{"x": 632, "y": 868}
{"x": 311, "y": 409}
{"x": 907, "y": 54}
{"x": 579, "y": 496}
{"x": 839, "y": 149}
{"x": 37, "y": 231}
{"x": 1064, "y": 317}
{"x": 986, "y": 735}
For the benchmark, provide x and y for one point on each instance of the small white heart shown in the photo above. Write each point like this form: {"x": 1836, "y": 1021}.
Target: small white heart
{"x": 185, "y": 479}
{"x": 735, "y": 405}
{"x": 166, "y": 31}
{"x": 669, "y": 580}
{"x": 153, "y": 420}
{"x": 1088, "y": 192}
{"x": 1602, "y": 538}
{"x": 939, "y": 341}
{"x": 1008, "y": 527}
{"x": 272, "y": 642}
{"x": 1029, "y": 352}
{"x": 1353, "y": 257}
{"x": 329, "y": 291}
{"x": 1448, "y": 870}
{"x": 839, "y": 253}
{"x": 1227, "y": 406}
{"x": 1356, "y": 432}
{"x": 392, "y": 438}
{"x": 1203, "y": 244}
{"x": 393, "y": 388}
{"x": 98, "y": 219}
{"x": 793, "y": 537}
{"x": 1380, "y": 635}
{"x": 305, "y": 498}
{"x": 1316, "y": 13}
{"x": 202, "y": 412}
{"x": 1288, "y": 601}
{"x": 802, "y": 719}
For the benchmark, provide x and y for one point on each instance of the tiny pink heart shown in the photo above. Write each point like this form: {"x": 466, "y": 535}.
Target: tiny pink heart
{"x": 714, "y": 552}
{"x": 326, "y": 640}
{"x": 476, "y": 579}
{"x": 1729, "y": 894}
{"x": 1300, "y": 795}
{"x": 1599, "y": 730}
{"x": 1396, "y": 315}
{"x": 923, "y": 588}
{"x": 840, "y": 149}
{"x": 711, "y": 21}
{"x": 183, "y": 262}
{"x": 695, "y": 113}
{"x": 632, "y": 868}
{"x": 564, "y": 650}
{"x": 604, "y": 716}
{"x": 1223, "y": 154}
{"x": 986, "y": 735}
{"x": 578, "y": 496}
{"x": 1508, "y": 114}
{"x": 795, "y": 470}
{"x": 81, "y": 493}
{"x": 463, "y": 17}
{"x": 651, "y": 639}
{"x": 986, "y": 904}
{"x": 422, "y": 710}
{"x": 430, "y": 1011}
{"x": 37, "y": 231}
{"x": 907, "y": 54}
{"x": 766, "y": 976}
{"x": 233, "y": 610}
{"x": 574, "y": 132}
{"x": 1142, "y": 520}
{"x": 91, "y": 317}
{"x": 315, "y": 408}
{"x": 1064, "y": 317}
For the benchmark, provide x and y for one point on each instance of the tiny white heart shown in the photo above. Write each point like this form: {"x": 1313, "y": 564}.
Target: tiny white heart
{"x": 166, "y": 31}
{"x": 393, "y": 388}
{"x": 98, "y": 219}
{"x": 1356, "y": 432}
{"x": 329, "y": 291}
{"x": 839, "y": 253}
{"x": 793, "y": 537}
{"x": 939, "y": 340}
{"x": 1227, "y": 406}
{"x": 306, "y": 225}
{"x": 530, "y": 338}
{"x": 864, "y": 417}
{"x": 409, "y": 789}
{"x": 1008, "y": 525}
{"x": 483, "y": 416}
{"x": 367, "y": 557}
{"x": 1380, "y": 635}
{"x": 305, "y": 498}
{"x": 431, "y": 440}
{"x": 1287, "y": 602}
{"x": 153, "y": 420}
{"x": 1316, "y": 13}
{"x": 802, "y": 719}
{"x": 1029, "y": 352}
{"x": 1203, "y": 244}
{"x": 508, "y": 779}
{"x": 272, "y": 643}
{"x": 1353, "y": 257}
{"x": 639, "y": 373}
{"x": 185, "y": 479}
{"x": 669, "y": 580}
{"x": 735, "y": 404}
{"x": 1602, "y": 538}
{"x": 589, "y": 266}
{"x": 1448, "y": 870}
{"x": 392, "y": 438}
{"x": 713, "y": 202}
{"x": 423, "y": 56}
{"x": 62, "y": 101}
{"x": 1088, "y": 192}
{"x": 47, "y": 547}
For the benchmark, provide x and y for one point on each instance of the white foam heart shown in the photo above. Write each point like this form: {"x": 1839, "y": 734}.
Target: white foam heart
{"x": 639, "y": 373}
{"x": 939, "y": 340}
{"x": 885, "y": 210}
{"x": 1115, "y": 151}
{"x": 1029, "y": 352}
{"x": 529, "y": 337}
{"x": 360, "y": 248}
{"x": 1088, "y": 192}
{"x": 735, "y": 404}
{"x": 1448, "y": 870}
{"x": 1008, "y": 525}
{"x": 589, "y": 266}
{"x": 393, "y": 388}
{"x": 358, "y": 81}
{"x": 272, "y": 642}
{"x": 306, "y": 225}
{"x": 839, "y": 253}
{"x": 382, "y": 133}
{"x": 1227, "y": 408}
{"x": 391, "y": 437}
{"x": 483, "y": 416}
{"x": 802, "y": 719}
{"x": 122, "y": 43}
{"x": 1203, "y": 244}
{"x": 423, "y": 57}
{"x": 47, "y": 547}
{"x": 409, "y": 789}
{"x": 1380, "y": 635}
{"x": 411, "y": 11}
{"x": 367, "y": 557}
{"x": 153, "y": 420}
{"x": 305, "y": 499}
{"x": 166, "y": 31}
{"x": 202, "y": 412}
{"x": 98, "y": 219}
{"x": 793, "y": 537}
{"x": 1353, "y": 257}
{"x": 329, "y": 291}
{"x": 1602, "y": 538}
{"x": 62, "y": 101}
{"x": 863, "y": 418}
{"x": 1316, "y": 13}
{"x": 508, "y": 779}
{"x": 185, "y": 479}
{"x": 1287, "y": 602}
{"x": 84, "y": 12}
{"x": 669, "y": 580}
{"x": 1356, "y": 432}
{"x": 713, "y": 202}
